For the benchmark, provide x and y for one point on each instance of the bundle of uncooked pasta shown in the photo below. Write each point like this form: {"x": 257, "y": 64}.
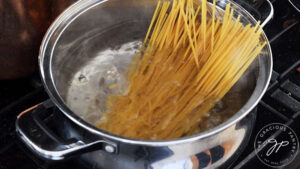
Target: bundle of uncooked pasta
{"x": 189, "y": 60}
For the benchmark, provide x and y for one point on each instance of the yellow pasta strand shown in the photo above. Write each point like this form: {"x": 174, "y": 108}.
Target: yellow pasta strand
{"x": 188, "y": 61}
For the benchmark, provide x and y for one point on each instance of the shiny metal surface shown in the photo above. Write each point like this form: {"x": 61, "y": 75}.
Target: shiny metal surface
{"x": 49, "y": 145}
{"x": 29, "y": 127}
{"x": 22, "y": 26}
{"x": 70, "y": 44}
{"x": 208, "y": 153}
{"x": 295, "y": 5}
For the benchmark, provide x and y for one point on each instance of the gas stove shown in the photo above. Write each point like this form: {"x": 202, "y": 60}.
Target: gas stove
{"x": 280, "y": 105}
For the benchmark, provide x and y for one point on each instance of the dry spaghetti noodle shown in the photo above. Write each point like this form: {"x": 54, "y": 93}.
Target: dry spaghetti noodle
{"x": 188, "y": 62}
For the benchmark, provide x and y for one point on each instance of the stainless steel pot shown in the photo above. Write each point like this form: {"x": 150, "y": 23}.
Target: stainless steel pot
{"x": 97, "y": 38}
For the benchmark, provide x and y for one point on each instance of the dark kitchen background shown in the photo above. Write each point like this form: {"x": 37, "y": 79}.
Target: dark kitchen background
{"x": 22, "y": 26}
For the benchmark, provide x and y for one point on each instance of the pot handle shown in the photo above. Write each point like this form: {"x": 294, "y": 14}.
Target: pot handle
{"x": 254, "y": 9}
{"x": 295, "y": 4}
{"x": 31, "y": 127}
{"x": 270, "y": 16}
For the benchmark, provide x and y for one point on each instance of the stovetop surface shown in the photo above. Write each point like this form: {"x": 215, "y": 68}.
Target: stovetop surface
{"x": 280, "y": 104}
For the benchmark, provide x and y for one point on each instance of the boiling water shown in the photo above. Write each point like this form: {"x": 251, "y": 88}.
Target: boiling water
{"x": 90, "y": 85}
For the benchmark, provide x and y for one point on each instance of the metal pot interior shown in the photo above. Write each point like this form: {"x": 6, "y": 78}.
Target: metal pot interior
{"x": 94, "y": 50}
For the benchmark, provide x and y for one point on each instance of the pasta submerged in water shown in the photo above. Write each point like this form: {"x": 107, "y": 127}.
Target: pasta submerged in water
{"x": 187, "y": 63}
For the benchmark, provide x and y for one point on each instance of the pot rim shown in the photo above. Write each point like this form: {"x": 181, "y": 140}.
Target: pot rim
{"x": 45, "y": 58}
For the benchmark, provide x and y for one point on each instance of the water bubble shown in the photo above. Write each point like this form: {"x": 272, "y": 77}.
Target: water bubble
{"x": 136, "y": 47}
{"x": 102, "y": 82}
{"x": 82, "y": 78}
{"x": 116, "y": 47}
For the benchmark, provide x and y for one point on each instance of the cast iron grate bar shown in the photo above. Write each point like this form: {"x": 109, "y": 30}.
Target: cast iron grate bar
{"x": 286, "y": 100}
{"x": 274, "y": 111}
{"x": 274, "y": 76}
{"x": 289, "y": 70}
{"x": 291, "y": 88}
